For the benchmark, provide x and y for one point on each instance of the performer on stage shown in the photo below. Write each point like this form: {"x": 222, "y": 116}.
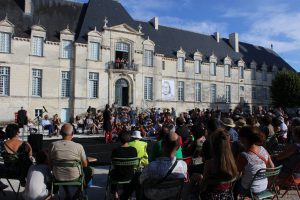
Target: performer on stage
{"x": 22, "y": 118}
{"x": 107, "y": 127}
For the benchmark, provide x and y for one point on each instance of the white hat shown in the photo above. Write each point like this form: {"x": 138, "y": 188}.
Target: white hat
{"x": 136, "y": 134}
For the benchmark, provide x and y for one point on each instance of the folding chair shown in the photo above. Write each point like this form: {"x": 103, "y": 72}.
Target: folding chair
{"x": 134, "y": 162}
{"x": 174, "y": 187}
{"x": 269, "y": 173}
{"x": 80, "y": 182}
{"x": 10, "y": 174}
{"x": 291, "y": 181}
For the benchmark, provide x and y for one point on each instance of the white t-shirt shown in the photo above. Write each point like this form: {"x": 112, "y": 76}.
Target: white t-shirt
{"x": 36, "y": 188}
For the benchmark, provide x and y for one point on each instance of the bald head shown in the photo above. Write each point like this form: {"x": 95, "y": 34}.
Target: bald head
{"x": 66, "y": 130}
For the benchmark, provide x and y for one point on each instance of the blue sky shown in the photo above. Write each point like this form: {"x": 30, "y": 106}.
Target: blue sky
{"x": 260, "y": 22}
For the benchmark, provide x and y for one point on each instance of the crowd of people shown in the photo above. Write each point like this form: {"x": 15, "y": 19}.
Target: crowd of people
{"x": 205, "y": 150}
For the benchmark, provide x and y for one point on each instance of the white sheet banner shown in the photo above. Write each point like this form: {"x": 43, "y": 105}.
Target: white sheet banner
{"x": 168, "y": 90}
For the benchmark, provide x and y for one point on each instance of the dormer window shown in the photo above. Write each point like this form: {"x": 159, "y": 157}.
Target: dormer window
{"x": 227, "y": 70}
{"x": 213, "y": 69}
{"x": 180, "y": 64}
{"x": 241, "y": 72}
{"x": 264, "y": 75}
{"x": 37, "y": 46}
{"x": 148, "y": 58}
{"x": 197, "y": 66}
{"x": 253, "y": 73}
{"x": 67, "y": 49}
{"x": 5, "y": 42}
{"x": 94, "y": 51}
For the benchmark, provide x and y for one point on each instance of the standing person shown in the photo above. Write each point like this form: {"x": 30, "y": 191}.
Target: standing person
{"x": 173, "y": 113}
{"x": 107, "y": 127}
{"x": 22, "y": 118}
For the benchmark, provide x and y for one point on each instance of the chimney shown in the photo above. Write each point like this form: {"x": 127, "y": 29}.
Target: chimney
{"x": 28, "y": 7}
{"x": 154, "y": 22}
{"x": 217, "y": 36}
{"x": 234, "y": 41}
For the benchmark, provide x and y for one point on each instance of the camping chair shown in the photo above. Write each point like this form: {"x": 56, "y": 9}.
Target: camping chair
{"x": 174, "y": 187}
{"x": 269, "y": 173}
{"x": 134, "y": 162}
{"x": 291, "y": 181}
{"x": 80, "y": 182}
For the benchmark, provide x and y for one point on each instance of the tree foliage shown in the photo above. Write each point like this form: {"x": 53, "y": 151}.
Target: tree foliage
{"x": 285, "y": 89}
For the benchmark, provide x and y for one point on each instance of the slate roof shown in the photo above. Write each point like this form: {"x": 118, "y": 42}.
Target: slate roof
{"x": 55, "y": 15}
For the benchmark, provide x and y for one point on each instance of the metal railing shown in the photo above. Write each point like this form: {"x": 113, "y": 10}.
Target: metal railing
{"x": 122, "y": 66}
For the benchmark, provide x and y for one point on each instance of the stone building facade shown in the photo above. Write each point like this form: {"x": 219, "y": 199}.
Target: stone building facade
{"x": 68, "y": 62}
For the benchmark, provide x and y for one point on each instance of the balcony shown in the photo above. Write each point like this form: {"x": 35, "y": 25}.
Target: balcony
{"x": 119, "y": 67}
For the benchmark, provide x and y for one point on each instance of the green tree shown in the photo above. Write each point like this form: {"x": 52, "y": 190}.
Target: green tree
{"x": 285, "y": 89}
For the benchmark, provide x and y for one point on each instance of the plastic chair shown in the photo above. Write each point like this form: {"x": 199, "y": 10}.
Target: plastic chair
{"x": 80, "y": 182}
{"x": 134, "y": 162}
{"x": 291, "y": 181}
{"x": 271, "y": 174}
{"x": 154, "y": 184}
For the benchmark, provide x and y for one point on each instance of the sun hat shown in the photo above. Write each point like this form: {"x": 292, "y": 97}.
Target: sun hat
{"x": 228, "y": 122}
{"x": 240, "y": 123}
{"x": 136, "y": 134}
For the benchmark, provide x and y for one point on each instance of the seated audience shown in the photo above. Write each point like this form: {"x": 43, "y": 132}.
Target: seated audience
{"x": 140, "y": 146}
{"x": 158, "y": 170}
{"x": 220, "y": 168}
{"x": 16, "y": 154}
{"x": 123, "y": 173}
{"x": 182, "y": 130}
{"x": 254, "y": 158}
{"x": 290, "y": 157}
{"x": 66, "y": 149}
{"x": 47, "y": 125}
{"x": 229, "y": 125}
{"x": 157, "y": 147}
{"x": 38, "y": 179}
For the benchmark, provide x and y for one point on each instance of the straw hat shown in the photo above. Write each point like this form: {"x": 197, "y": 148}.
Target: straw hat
{"x": 240, "y": 123}
{"x": 228, "y": 122}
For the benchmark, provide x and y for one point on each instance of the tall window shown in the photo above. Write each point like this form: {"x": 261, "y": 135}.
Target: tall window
{"x": 180, "y": 64}
{"x": 94, "y": 51}
{"x": 36, "y": 82}
{"x": 253, "y": 92}
{"x": 65, "y": 84}
{"x": 4, "y": 81}
{"x": 228, "y": 94}
{"x": 148, "y": 58}
{"x": 5, "y": 42}
{"x": 213, "y": 93}
{"x": 264, "y": 75}
{"x": 213, "y": 69}
{"x": 148, "y": 88}
{"x": 253, "y": 73}
{"x": 241, "y": 72}
{"x": 198, "y": 92}
{"x": 265, "y": 93}
{"x": 180, "y": 91}
{"x": 163, "y": 65}
{"x": 93, "y": 84}
{"x": 227, "y": 70}
{"x": 197, "y": 66}
{"x": 37, "y": 46}
{"x": 67, "y": 49}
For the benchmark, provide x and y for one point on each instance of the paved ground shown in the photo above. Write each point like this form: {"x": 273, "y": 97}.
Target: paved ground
{"x": 95, "y": 147}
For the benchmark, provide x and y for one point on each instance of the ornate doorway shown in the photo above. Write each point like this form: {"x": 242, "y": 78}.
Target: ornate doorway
{"x": 122, "y": 92}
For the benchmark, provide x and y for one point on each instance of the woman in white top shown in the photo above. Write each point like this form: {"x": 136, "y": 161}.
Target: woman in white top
{"x": 254, "y": 158}
{"x": 37, "y": 179}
